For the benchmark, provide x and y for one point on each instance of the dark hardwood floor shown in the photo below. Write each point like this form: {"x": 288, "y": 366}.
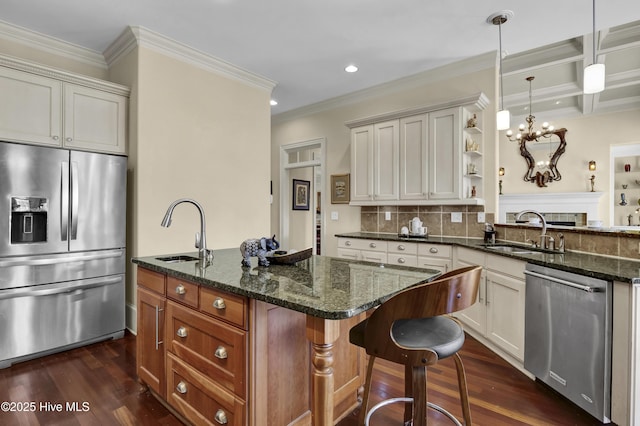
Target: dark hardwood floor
{"x": 101, "y": 379}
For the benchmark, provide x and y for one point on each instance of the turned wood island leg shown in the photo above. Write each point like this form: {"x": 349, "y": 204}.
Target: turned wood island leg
{"x": 322, "y": 334}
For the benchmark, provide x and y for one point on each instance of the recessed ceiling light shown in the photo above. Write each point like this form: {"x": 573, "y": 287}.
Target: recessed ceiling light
{"x": 351, "y": 68}
{"x": 273, "y": 102}
{"x": 558, "y": 102}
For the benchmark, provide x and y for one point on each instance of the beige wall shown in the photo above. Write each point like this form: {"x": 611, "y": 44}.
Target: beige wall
{"x": 438, "y": 86}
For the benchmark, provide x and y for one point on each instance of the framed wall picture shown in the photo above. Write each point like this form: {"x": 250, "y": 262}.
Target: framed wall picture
{"x": 340, "y": 189}
{"x": 301, "y": 194}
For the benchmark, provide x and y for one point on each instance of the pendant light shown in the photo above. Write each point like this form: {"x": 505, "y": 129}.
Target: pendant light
{"x": 593, "y": 81}
{"x": 503, "y": 117}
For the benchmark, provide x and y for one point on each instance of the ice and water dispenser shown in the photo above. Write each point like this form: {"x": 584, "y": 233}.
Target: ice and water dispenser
{"x": 28, "y": 220}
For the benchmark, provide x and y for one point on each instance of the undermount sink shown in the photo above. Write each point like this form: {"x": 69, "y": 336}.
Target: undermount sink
{"x": 177, "y": 259}
{"x": 513, "y": 249}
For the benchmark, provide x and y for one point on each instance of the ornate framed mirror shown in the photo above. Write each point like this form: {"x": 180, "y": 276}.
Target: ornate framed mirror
{"x": 542, "y": 157}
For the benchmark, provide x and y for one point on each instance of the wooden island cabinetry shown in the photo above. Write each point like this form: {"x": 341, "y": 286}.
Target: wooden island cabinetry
{"x": 216, "y": 357}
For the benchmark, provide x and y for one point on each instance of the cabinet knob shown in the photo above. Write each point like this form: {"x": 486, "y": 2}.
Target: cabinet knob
{"x": 401, "y": 260}
{"x": 372, "y": 245}
{"x": 180, "y": 289}
{"x": 182, "y": 332}
{"x": 221, "y": 352}
{"x": 182, "y": 387}
{"x": 219, "y": 303}
{"x": 55, "y": 138}
{"x": 69, "y": 139}
{"x": 433, "y": 250}
{"x": 401, "y": 247}
{"x": 347, "y": 243}
{"x": 221, "y": 417}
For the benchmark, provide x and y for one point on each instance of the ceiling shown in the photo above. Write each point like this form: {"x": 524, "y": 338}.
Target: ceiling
{"x": 304, "y": 45}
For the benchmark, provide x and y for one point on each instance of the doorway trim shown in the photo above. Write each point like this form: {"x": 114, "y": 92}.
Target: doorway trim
{"x": 286, "y": 152}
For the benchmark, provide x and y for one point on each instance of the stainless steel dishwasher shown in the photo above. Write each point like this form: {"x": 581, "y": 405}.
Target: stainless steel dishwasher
{"x": 568, "y": 328}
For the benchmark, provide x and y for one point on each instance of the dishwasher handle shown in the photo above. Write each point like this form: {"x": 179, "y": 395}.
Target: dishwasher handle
{"x": 582, "y": 287}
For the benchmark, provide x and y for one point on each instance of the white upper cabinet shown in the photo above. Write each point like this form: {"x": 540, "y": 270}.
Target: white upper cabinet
{"x": 51, "y": 107}
{"x": 445, "y": 180}
{"x": 385, "y": 154}
{"x": 30, "y": 110}
{"x": 94, "y": 120}
{"x": 415, "y": 157}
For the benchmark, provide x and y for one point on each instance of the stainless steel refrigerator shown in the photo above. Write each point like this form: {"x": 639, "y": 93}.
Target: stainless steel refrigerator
{"x": 62, "y": 249}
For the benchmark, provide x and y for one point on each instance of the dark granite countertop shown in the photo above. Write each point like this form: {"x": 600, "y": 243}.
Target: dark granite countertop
{"x": 320, "y": 286}
{"x": 602, "y": 267}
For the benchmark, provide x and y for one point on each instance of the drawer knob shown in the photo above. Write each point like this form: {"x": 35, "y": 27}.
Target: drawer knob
{"x": 180, "y": 289}
{"x": 433, "y": 250}
{"x": 401, "y": 247}
{"x": 182, "y": 332}
{"x": 182, "y": 387}
{"x": 219, "y": 303}
{"x": 401, "y": 260}
{"x": 221, "y": 352}
{"x": 347, "y": 243}
{"x": 372, "y": 245}
{"x": 221, "y": 417}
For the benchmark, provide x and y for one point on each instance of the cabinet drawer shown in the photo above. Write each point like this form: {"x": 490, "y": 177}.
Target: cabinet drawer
{"x": 226, "y": 306}
{"x": 503, "y": 264}
{"x": 434, "y": 250}
{"x": 216, "y": 349}
{"x": 439, "y": 264}
{"x": 358, "y": 244}
{"x": 403, "y": 248}
{"x": 402, "y": 259}
{"x": 152, "y": 280}
{"x": 182, "y": 291}
{"x": 470, "y": 256}
{"x": 373, "y": 256}
{"x": 200, "y": 400}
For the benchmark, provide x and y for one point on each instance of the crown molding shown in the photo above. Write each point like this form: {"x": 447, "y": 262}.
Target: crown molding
{"x": 444, "y": 72}
{"x": 139, "y": 36}
{"x": 51, "y": 45}
{"x": 58, "y": 74}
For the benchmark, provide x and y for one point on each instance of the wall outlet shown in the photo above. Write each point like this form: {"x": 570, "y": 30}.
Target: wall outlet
{"x": 334, "y": 215}
{"x": 456, "y": 217}
{"x": 387, "y": 215}
{"x": 481, "y": 217}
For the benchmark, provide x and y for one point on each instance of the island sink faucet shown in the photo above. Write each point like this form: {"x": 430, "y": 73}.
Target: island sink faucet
{"x": 201, "y": 238}
{"x": 546, "y": 241}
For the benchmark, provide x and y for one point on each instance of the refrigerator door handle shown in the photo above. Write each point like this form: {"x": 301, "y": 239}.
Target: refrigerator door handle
{"x": 64, "y": 201}
{"x": 74, "y": 200}
{"x": 5, "y": 263}
{"x": 60, "y": 288}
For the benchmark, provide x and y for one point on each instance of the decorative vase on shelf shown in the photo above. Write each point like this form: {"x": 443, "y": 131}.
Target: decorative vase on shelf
{"x": 627, "y": 167}
{"x": 623, "y": 199}
{"x": 473, "y": 121}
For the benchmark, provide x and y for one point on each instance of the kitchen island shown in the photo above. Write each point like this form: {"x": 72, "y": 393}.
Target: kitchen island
{"x": 223, "y": 344}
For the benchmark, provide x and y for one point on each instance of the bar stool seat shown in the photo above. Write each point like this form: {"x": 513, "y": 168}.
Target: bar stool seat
{"x": 412, "y": 328}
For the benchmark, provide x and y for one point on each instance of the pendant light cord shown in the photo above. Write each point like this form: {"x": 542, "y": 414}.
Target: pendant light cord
{"x": 594, "y": 32}
{"x": 500, "y": 54}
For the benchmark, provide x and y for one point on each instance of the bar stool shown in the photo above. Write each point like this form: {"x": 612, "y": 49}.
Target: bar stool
{"x": 412, "y": 329}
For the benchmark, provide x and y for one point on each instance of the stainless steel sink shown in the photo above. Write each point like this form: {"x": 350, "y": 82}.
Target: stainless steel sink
{"x": 177, "y": 259}
{"x": 513, "y": 249}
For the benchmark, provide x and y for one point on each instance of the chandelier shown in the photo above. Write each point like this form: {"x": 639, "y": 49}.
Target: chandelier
{"x": 526, "y": 133}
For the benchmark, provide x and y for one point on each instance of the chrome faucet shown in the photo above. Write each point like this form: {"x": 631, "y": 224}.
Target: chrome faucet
{"x": 201, "y": 238}
{"x": 543, "y": 235}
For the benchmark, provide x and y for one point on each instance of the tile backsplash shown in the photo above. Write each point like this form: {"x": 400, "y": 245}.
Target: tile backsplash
{"x": 437, "y": 219}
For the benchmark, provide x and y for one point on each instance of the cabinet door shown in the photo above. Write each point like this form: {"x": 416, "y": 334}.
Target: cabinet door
{"x": 149, "y": 341}
{"x": 94, "y": 120}
{"x": 413, "y": 158}
{"x": 362, "y": 164}
{"x": 386, "y": 152}
{"x": 505, "y": 319}
{"x": 445, "y": 180}
{"x": 475, "y": 316}
{"x": 31, "y": 107}
{"x": 442, "y": 265}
